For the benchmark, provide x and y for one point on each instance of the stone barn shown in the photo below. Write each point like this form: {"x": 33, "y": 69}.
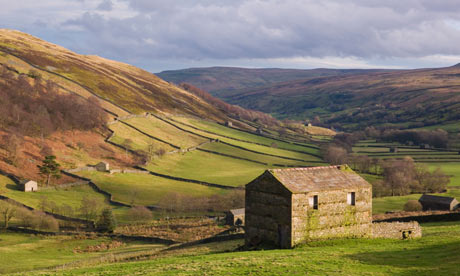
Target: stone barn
{"x": 292, "y": 206}
{"x": 229, "y": 124}
{"x": 28, "y": 186}
{"x": 235, "y": 217}
{"x": 102, "y": 167}
{"x": 432, "y": 202}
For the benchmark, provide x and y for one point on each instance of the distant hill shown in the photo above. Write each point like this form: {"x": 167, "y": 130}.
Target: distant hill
{"x": 225, "y": 81}
{"x": 344, "y": 99}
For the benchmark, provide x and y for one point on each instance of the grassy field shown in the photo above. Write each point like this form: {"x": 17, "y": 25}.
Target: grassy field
{"x": 226, "y": 149}
{"x": 23, "y": 252}
{"x": 71, "y": 196}
{"x": 451, "y": 169}
{"x": 139, "y": 141}
{"x": 145, "y": 189}
{"x": 259, "y": 148}
{"x": 166, "y": 132}
{"x": 233, "y": 133}
{"x": 208, "y": 167}
{"x": 434, "y": 254}
{"x": 396, "y": 203}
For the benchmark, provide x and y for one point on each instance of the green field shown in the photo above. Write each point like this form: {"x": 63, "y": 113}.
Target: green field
{"x": 260, "y": 148}
{"x": 71, "y": 196}
{"x": 166, "y": 132}
{"x": 434, "y": 254}
{"x": 233, "y": 133}
{"x": 226, "y": 149}
{"x": 396, "y": 203}
{"x": 139, "y": 141}
{"x": 22, "y": 252}
{"x": 208, "y": 167}
{"x": 451, "y": 169}
{"x": 145, "y": 189}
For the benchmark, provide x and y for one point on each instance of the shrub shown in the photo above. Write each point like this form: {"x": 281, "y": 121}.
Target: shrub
{"x": 139, "y": 213}
{"x": 413, "y": 205}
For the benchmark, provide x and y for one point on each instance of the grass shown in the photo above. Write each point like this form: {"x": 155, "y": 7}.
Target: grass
{"x": 145, "y": 189}
{"x": 451, "y": 169}
{"x": 166, "y": 132}
{"x": 208, "y": 167}
{"x": 226, "y": 149}
{"x": 139, "y": 141}
{"x": 237, "y": 134}
{"x": 434, "y": 254}
{"x": 259, "y": 148}
{"x": 23, "y": 252}
{"x": 71, "y": 196}
{"x": 396, "y": 203}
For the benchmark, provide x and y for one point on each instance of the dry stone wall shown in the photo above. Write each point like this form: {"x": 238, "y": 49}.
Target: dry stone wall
{"x": 396, "y": 230}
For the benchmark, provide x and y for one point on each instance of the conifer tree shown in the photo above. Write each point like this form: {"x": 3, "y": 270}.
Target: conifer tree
{"x": 50, "y": 168}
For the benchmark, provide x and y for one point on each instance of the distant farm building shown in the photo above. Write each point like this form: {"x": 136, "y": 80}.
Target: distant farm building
{"x": 235, "y": 217}
{"x": 432, "y": 202}
{"x": 102, "y": 167}
{"x": 228, "y": 123}
{"x": 292, "y": 206}
{"x": 28, "y": 186}
{"x": 393, "y": 149}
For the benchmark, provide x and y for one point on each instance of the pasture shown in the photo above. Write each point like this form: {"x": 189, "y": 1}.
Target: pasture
{"x": 436, "y": 253}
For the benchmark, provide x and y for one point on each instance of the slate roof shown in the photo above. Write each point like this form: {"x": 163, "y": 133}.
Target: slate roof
{"x": 236, "y": 212}
{"x": 436, "y": 199}
{"x": 315, "y": 179}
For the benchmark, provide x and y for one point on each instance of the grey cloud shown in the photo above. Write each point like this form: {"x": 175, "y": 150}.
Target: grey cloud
{"x": 105, "y": 5}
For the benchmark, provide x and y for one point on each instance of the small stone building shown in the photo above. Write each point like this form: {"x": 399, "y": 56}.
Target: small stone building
{"x": 228, "y": 123}
{"x": 102, "y": 167}
{"x": 28, "y": 186}
{"x": 393, "y": 149}
{"x": 292, "y": 206}
{"x": 235, "y": 217}
{"x": 432, "y": 202}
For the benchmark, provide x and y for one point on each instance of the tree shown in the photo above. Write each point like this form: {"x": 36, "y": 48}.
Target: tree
{"x": 7, "y": 211}
{"x": 335, "y": 155}
{"x": 89, "y": 208}
{"x": 106, "y": 222}
{"x": 50, "y": 168}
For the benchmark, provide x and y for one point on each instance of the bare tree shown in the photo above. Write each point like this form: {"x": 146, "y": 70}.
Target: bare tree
{"x": 7, "y": 211}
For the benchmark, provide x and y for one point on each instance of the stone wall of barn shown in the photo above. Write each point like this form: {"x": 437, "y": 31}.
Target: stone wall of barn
{"x": 334, "y": 216}
{"x": 396, "y": 230}
{"x": 268, "y": 214}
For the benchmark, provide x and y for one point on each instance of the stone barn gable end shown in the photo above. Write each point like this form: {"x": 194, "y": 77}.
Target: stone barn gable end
{"x": 292, "y": 206}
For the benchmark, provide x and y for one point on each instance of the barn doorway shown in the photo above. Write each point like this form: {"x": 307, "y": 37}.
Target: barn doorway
{"x": 283, "y": 231}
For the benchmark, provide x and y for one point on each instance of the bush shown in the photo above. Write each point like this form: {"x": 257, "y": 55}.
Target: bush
{"x": 413, "y": 206}
{"x": 139, "y": 213}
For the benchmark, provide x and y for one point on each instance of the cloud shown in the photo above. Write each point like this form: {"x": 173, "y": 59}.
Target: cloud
{"x": 155, "y": 31}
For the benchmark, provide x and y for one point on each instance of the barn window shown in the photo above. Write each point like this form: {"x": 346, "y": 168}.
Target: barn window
{"x": 351, "y": 198}
{"x": 313, "y": 202}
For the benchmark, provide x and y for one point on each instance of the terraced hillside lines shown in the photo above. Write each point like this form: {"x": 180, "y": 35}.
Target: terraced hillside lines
{"x": 166, "y": 132}
{"x": 145, "y": 189}
{"x": 269, "y": 160}
{"x": 71, "y": 196}
{"x": 275, "y": 152}
{"x": 243, "y": 136}
{"x": 126, "y": 135}
{"x": 203, "y": 166}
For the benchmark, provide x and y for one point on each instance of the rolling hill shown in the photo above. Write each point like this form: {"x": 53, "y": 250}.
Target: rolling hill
{"x": 402, "y": 98}
{"x": 225, "y": 81}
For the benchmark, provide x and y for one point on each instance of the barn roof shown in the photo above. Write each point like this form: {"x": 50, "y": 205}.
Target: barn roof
{"x": 302, "y": 180}
{"x": 436, "y": 199}
{"x": 239, "y": 211}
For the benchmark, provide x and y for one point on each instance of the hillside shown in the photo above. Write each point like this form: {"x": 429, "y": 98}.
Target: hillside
{"x": 225, "y": 81}
{"x": 410, "y": 98}
{"x": 122, "y": 88}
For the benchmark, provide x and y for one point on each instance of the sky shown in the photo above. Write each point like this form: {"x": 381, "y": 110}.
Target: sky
{"x": 162, "y": 35}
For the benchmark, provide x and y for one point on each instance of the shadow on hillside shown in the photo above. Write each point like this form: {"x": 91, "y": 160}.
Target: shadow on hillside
{"x": 433, "y": 259}
{"x": 12, "y": 187}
